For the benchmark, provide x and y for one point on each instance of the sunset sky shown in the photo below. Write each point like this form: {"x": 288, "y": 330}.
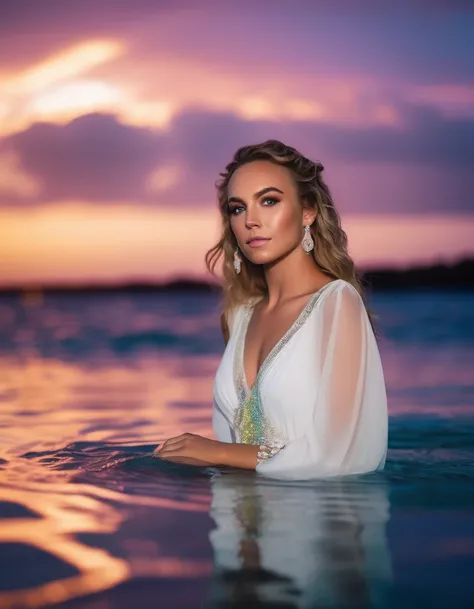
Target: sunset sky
{"x": 116, "y": 118}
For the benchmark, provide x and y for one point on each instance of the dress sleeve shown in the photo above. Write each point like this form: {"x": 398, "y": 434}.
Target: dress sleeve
{"x": 347, "y": 429}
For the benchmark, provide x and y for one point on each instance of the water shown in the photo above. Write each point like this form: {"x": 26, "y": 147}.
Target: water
{"x": 90, "y": 384}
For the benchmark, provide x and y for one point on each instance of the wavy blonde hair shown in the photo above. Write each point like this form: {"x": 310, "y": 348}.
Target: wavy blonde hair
{"x": 330, "y": 250}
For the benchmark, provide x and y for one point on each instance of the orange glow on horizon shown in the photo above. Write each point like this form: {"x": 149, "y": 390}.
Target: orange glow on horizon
{"x": 77, "y": 242}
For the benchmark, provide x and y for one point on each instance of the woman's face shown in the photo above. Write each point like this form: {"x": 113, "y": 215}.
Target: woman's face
{"x": 263, "y": 202}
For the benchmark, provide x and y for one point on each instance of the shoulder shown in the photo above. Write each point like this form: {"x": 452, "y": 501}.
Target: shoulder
{"x": 341, "y": 296}
{"x": 343, "y": 288}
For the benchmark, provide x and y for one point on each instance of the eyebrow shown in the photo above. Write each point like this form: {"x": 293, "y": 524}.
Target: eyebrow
{"x": 257, "y": 195}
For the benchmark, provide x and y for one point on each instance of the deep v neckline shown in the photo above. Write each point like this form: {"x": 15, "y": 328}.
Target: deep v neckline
{"x": 301, "y": 317}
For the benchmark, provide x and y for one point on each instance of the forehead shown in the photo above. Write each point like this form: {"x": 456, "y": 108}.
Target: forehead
{"x": 252, "y": 177}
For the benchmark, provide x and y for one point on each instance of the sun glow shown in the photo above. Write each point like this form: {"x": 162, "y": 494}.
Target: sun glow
{"x": 54, "y": 90}
{"x": 71, "y": 99}
{"x": 67, "y": 64}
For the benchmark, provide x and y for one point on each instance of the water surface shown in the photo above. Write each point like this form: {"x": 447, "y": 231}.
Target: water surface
{"x": 90, "y": 384}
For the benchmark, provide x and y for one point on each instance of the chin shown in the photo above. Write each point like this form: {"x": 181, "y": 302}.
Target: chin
{"x": 263, "y": 258}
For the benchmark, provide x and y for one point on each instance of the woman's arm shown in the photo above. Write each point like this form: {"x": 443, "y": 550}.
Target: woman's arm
{"x": 194, "y": 449}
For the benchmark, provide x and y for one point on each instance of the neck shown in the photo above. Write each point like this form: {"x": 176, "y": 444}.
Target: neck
{"x": 293, "y": 275}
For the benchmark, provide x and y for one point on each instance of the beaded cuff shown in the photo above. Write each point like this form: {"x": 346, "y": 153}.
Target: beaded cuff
{"x": 265, "y": 452}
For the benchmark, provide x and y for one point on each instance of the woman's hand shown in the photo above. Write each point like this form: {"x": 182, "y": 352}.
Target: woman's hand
{"x": 191, "y": 449}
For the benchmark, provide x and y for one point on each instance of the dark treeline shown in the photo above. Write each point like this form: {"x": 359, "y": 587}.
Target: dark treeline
{"x": 459, "y": 275}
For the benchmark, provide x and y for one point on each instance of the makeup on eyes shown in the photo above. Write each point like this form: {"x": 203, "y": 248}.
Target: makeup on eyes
{"x": 258, "y": 195}
{"x": 273, "y": 200}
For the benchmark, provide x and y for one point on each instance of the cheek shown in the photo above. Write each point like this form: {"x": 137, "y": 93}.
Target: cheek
{"x": 284, "y": 221}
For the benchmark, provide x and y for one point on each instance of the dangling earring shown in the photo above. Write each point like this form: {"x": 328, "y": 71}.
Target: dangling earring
{"x": 307, "y": 243}
{"x": 237, "y": 261}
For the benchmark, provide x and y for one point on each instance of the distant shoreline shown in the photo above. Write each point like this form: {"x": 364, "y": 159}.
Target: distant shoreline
{"x": 459, "y": 275}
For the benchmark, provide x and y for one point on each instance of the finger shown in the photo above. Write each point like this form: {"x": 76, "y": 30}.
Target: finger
{"x": 161, "y": 451}
{"x": 179, "y": 449}
{"x": 175, "y": 439}
{"x": 169, "y": 442}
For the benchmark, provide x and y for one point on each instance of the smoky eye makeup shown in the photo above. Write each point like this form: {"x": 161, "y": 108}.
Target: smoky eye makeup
{"x": 270, "y": 200}
{"x": 234, "y": 206}
{"x": 233, "y": 209}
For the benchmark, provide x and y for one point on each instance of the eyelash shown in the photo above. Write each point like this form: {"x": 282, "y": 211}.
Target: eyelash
{"x": 233, "y": 210}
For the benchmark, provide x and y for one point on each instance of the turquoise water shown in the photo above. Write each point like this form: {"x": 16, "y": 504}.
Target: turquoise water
{"x": 90, "y": 384}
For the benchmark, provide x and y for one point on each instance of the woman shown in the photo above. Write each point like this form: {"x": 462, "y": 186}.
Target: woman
{"x": 300, "y": 390}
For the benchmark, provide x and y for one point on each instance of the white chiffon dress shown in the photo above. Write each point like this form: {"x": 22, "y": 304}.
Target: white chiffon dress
{"x": 319, "y": 397}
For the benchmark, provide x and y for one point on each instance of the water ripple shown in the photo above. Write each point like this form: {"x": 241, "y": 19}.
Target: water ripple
{"x": 89, "y": 385}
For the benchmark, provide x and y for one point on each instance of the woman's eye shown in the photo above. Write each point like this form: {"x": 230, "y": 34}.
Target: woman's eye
{"x": 270, "y": 200}
{"x": 237, "y": 209}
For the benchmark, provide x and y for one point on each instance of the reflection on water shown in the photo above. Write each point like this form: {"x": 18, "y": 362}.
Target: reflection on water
{"x": 89, "y": 385}
{"x": 317, "y": 544}
{"x": 107, "y": 515}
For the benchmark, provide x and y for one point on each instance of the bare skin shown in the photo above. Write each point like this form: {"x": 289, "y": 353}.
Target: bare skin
{"x": 263, "y": 201}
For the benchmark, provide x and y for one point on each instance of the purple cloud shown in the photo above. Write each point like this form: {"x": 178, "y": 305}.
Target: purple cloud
{"x": 98, "y": 159}
{"x": 94, "y": 158}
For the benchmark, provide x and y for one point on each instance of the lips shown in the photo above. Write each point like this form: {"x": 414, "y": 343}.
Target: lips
{"x": 257, "y": 239}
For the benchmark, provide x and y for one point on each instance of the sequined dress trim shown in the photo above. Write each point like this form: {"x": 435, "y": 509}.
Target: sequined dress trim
{"x": 250, "y": 423}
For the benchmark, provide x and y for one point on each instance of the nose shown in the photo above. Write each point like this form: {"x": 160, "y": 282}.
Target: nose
{"x": 252, "y": 217}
